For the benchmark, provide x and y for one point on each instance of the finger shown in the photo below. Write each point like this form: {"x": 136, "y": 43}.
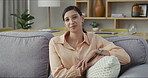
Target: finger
{"x": 83, "y": 65}
{"x": 86, "y": 62}
{"x": 79, "y": 64}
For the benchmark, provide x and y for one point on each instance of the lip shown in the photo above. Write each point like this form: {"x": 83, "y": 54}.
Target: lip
{"x": 73, "y": 26}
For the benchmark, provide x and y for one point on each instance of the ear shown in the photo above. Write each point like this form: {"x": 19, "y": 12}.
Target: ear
{"x": 82, "y": 17}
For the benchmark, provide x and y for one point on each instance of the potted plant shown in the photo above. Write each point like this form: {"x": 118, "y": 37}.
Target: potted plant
{"x": 95, "y": 26}
{"x": 23, "y": 20}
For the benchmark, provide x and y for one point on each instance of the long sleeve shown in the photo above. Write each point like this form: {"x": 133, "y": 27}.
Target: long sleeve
{"x": 117, "y": 51}
{"x": 57, "y": 68}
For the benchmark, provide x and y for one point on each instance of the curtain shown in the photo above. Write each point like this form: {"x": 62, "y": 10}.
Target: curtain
{"x": 11, "y": 7}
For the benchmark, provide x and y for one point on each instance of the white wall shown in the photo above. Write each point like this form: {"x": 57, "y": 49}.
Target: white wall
{"x": 1, "y": 12}
{"x": 41, "y": 14}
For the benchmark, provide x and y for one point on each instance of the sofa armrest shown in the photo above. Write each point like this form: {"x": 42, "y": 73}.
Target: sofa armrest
{"x": 24, "y": 54}
{"x": 139, "y": 71}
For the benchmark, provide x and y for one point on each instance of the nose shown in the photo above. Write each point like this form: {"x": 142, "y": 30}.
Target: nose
{"x": 71, "y": 21}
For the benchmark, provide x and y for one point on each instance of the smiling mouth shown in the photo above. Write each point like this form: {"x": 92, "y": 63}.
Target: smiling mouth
{"x": 73, "y": 26}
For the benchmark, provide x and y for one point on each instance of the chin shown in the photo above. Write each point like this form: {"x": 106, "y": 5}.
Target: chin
{"x": 74, "y": 30}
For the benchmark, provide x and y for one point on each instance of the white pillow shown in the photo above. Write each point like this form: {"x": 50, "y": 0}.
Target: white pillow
{"x": 106, "y": 67}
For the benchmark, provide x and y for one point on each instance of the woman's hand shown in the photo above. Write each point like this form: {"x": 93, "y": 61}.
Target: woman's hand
{"x": 90, "y": 59}
{"x": 84, "y": 67}
{"x": 91, "y": 55}
{"x": 105, "y": 53}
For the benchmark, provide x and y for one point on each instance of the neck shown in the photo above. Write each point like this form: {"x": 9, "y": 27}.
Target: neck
{"x": 76, "y": 37}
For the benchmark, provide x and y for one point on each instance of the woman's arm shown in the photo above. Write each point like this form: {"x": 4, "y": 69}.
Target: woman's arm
{"x": 57, "y": 68}
{"x": 90, "y": 59}
{"x": 108, "y": 49}
{"x": 114, "y": 50}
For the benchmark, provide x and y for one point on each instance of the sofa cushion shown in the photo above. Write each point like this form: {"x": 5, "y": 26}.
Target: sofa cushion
{"x": 140, "y": 71}
{"x": 24, "y": 54}
{"x": 136, "y": 47}
{"x": 106, "y": 67}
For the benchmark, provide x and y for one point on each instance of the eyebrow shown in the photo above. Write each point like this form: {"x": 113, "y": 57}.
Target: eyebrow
{"x": 72, "y": 15}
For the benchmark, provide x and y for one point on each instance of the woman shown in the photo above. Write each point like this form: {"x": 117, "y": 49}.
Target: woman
{"x": 75, "y": 51}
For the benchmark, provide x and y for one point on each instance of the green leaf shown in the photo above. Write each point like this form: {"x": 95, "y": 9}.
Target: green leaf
{"x": 30, "y": 18}
{"x": 25, "y": 12}
{"x": 29, "y": 23}
{"x": 94, "y": 24}
{"x": 23, "y": 19}
{"x": 18, "y": 26}
{"x": 27, "y": 27}
{"x": 16, "y": 15}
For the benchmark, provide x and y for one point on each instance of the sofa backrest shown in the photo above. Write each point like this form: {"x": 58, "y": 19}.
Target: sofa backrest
{"x": 136, "y": 47}
{"x": 24, "y": 54}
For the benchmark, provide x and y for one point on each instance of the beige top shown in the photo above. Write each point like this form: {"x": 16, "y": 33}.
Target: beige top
{"x": 63, "y": 57}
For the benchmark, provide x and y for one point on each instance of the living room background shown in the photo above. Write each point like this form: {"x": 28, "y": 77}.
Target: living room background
{"x": 41, "y": 17}
{"x": 41, "y": 14}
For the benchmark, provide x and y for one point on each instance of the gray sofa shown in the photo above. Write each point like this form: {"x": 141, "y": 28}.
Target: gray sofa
{"x": 26, "y": 54}
{"x": 137, "y": 48}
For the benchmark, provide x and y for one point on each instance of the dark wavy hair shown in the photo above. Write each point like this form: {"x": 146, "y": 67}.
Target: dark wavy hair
{"x": 75, "y": 9}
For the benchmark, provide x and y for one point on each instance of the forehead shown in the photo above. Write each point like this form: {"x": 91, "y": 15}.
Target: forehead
{"x": 70, "y": 13}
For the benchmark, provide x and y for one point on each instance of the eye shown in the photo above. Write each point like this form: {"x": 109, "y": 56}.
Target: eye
{"x": 66, "y": 20}
{"x": 74, "y": 17}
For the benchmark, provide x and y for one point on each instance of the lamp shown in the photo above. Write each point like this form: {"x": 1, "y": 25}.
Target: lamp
{"x": 49, "y": 3}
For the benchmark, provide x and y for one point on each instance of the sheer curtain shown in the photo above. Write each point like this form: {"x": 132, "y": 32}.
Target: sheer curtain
{"x": 1, "y": 13}
{"x": 11, "y": 7}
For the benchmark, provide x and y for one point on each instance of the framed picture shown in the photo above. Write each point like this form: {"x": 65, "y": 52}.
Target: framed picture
{"x": 143, "y": 10}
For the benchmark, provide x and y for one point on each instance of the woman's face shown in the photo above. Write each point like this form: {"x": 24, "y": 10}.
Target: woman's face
{"x": 73, "y": 21}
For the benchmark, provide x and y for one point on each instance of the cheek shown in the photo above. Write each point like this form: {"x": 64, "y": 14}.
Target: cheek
{"x": 66, "y": 24}
{"x": 80, "y": 22}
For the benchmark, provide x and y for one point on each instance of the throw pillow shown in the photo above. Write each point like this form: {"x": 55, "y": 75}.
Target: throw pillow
{"x": 106, "y": 67}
